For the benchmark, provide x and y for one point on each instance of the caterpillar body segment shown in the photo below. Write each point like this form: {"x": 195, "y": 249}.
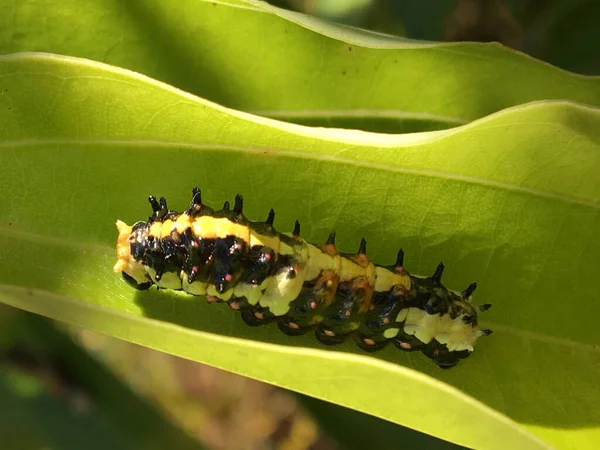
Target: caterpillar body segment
{"x": 278, "y": 277}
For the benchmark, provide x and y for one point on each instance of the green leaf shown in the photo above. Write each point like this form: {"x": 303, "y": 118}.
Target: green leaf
{"x": 254, "y": 57}
{"x": 511, "y": 201}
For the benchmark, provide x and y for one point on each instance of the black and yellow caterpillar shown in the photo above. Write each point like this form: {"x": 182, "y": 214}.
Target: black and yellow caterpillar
{"x": 271, "y": 276}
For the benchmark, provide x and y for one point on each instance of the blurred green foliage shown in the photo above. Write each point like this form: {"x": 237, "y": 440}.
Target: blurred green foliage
{"x": 563, "y": 32}
{"x": 55, "y": 395}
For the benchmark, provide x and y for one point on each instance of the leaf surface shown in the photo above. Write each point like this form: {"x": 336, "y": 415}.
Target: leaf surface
{"x": 511, "y": 201}
{"x": 254, "y": 57}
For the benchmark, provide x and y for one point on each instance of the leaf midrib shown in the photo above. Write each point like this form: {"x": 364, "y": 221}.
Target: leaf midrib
{"x": 335, "y": 158}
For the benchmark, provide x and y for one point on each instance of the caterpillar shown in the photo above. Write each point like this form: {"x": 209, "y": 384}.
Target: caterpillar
{"x": 278, "y": 277}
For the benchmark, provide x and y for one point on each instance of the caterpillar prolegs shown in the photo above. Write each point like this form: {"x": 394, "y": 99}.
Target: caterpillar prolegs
{"x": 270, "y": 276}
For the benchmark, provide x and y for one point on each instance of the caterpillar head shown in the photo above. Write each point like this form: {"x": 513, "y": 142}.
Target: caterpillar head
{"x": 127, "y": 263}
{"x": 457, "y": 330}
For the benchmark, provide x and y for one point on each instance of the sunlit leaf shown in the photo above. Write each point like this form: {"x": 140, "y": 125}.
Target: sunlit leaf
{"x": 251, "y": 56}
{"x": 510, "y": 201}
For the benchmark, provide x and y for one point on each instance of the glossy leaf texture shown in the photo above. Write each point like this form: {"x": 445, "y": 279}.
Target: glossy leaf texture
{"x": 254, "y": 57}
{"x": 510, "y": 201}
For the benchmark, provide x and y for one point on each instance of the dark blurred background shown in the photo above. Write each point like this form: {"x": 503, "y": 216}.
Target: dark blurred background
{"x": 65, "y": 388}
{"x": 565, "y": 33}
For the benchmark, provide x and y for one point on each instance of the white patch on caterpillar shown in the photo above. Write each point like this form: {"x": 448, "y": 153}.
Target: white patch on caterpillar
{"x": 402, "y": 315}
{"x": 387, "y": 279}
{"x": 135, "y": 270}
{"x": 252, "y": 292}
{"x": 319, "y": 261}
{"x": 391, "y": 333}
{"x": 454, "y": 333}
{"x": 427, "y": 327}
{"x": 211, "y": 290}
{"x": 414, "y": 324}
{"x": 283, "y": 289}
{"x": 195, "y": 288}
{"x": 168, "y": 280}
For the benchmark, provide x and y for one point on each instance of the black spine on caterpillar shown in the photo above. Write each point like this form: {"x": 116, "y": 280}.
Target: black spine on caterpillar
{"x": 270, "y": 276}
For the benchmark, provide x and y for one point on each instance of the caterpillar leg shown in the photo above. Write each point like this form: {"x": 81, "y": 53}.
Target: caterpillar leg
{"x": 309, "y": 308}
{"x": 408, "y": 343}
{"x": 443, "y": 357}
{"x": 257, "y": 315}
{"x": 380, "y": 325}
{"x": 372, "y": 343}
{"x": 343, "y": 317}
